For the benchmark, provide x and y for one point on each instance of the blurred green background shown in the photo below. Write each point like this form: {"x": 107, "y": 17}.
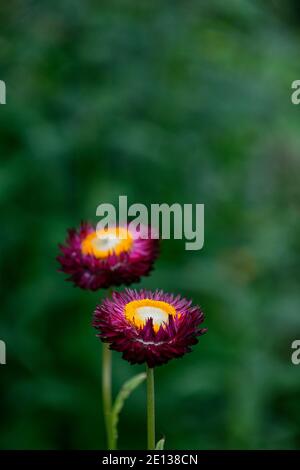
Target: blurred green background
{"x": 169, "y": 101}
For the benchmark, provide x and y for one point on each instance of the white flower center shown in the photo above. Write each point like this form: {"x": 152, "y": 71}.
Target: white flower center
{"x": 103, "y": 243}
{"x": 106, "y": 242}
{"x": 157, "y": 314}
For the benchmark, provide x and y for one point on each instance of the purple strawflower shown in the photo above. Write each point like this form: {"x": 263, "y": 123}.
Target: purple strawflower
{"x": 151, "y": 327}
{"x": 109, "y": 257}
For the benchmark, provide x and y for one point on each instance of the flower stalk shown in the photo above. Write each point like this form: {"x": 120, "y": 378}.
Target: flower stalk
{"x": 150, "y": 408}
{"x": 106, "y": 395}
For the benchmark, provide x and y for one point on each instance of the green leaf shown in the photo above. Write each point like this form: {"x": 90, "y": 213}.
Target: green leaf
{"x": 161, "y": 444}
{"x": 124, "y": 393}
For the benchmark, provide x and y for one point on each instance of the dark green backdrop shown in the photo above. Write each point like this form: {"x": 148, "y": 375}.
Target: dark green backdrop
{"x": 169, "y": 101}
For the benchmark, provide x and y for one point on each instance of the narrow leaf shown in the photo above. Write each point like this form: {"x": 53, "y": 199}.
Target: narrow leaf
{"x": 124, "y": 393}
{"x": 161, "y": 444}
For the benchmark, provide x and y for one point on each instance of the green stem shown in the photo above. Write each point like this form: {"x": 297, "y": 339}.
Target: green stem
{"x": 106, "y": 395}
{"x": 150, "y": 408}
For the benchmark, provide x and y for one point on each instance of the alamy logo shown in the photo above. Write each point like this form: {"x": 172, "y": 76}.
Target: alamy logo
{"x": 167, "y": 221}
{"x": 2, "y": 352}
{"x": 295, "y": 357}
{"x": 2, "y": 92}
{"x": 295, "y": 96}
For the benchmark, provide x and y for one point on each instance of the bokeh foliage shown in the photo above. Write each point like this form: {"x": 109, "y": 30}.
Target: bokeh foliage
{"x": 169, "y": 101}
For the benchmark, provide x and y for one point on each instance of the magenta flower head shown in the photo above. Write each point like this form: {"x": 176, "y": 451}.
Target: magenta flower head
{"x": 151, "y": 327}
{"x": 109, "y": 257}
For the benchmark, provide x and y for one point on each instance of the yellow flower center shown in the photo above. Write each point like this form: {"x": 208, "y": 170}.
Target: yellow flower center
{"x": 106, "y": 242}
{"x": 139, "y": 311}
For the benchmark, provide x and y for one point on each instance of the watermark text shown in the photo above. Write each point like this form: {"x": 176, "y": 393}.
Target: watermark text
{"x": 295, "y": 357}
{"x": 2, "y": 92}
{"x": 178, "y": 221}
{"x": 2, "y": 353}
